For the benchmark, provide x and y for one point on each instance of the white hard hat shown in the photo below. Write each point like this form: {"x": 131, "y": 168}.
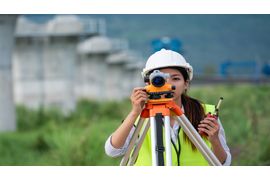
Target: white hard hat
{"x": 167, "y": 58}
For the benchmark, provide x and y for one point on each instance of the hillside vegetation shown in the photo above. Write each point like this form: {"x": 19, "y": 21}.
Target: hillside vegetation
{"x": 47, "y": 137}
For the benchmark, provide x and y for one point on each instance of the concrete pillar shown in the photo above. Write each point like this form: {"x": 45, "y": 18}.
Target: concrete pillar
{"x": 7, "y": 106}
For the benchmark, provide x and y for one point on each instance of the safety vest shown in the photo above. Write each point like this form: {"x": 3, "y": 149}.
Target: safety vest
{"x": 188, "y": 157}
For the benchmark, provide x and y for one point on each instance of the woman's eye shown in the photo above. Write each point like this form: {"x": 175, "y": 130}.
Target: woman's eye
{"x": 176, "y": 79}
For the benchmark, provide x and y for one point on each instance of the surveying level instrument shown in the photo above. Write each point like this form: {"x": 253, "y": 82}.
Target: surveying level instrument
{"x": 159, "y": 107}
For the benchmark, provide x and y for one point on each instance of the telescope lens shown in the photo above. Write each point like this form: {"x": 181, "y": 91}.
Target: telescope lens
{"x": 158, "y": 81}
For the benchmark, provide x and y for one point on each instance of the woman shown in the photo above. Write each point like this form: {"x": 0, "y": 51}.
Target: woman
{"x": 184, "y": 153}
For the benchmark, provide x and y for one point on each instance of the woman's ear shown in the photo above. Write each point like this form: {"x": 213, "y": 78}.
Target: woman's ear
{"x": 186, "y": 84}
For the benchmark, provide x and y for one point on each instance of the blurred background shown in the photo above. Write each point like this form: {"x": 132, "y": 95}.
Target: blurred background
{"x": 65, "y": 80}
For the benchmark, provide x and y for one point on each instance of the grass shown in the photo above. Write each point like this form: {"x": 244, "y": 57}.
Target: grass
{"x": 48, "y": 137}
{"x": 245, "y": 117}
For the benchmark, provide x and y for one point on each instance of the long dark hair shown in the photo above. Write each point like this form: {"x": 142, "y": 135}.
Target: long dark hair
{"x": 194, "y": 110}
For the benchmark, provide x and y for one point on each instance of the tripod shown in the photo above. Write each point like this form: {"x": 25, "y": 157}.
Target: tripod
{"x": 156, "y": 110}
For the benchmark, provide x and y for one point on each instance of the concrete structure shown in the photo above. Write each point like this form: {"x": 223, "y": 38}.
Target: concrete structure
{"x": 7, "y": 108}
{"x": 66, "y": 59}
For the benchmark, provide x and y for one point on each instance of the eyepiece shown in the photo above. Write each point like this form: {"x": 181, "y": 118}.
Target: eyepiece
{"x": 158, "y": 79}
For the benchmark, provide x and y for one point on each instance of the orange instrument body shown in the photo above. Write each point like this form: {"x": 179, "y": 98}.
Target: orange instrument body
{"x": 160, "y": 97}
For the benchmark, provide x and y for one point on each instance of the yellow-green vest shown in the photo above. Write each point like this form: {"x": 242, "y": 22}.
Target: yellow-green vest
{"x": 188, "y": 157}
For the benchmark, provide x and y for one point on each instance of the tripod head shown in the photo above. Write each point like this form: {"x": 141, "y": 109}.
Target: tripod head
{"x": 158, "y": 85}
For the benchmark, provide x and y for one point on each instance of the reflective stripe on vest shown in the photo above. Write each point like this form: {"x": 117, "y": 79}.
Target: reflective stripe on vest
{"x": 188, "y": 157}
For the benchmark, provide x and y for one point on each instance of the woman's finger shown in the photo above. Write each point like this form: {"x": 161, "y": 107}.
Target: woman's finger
{"x": 140, "y": 95}
{"x": 136, "y": 95}
{"x": 209, "y": 133}
{"x": 206, "y": 126}
{"x": 209, "y": 122}
{"x": 141, "y": 102}
{"x": 140, "y": 92}
{"x": 214, "y": 120}
{"x": 138, "y": 89}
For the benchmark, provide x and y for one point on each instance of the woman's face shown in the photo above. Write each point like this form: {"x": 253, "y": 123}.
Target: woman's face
{"x": 176, "y": 79}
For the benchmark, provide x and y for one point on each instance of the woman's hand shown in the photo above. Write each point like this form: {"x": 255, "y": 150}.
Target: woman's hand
{"x": 138, "y": 99}
{"x": 209, "y": 126}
